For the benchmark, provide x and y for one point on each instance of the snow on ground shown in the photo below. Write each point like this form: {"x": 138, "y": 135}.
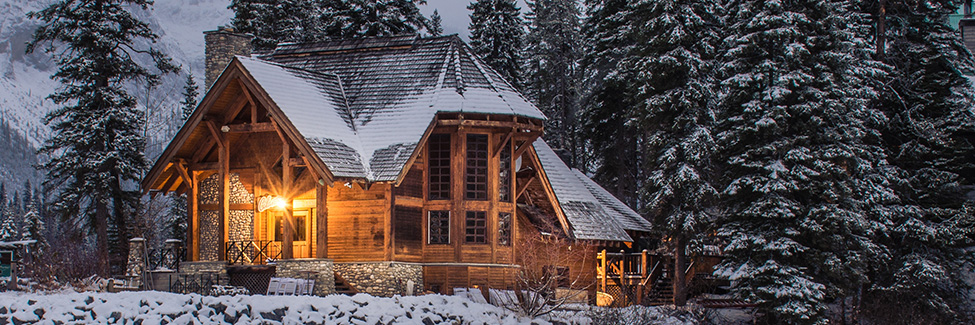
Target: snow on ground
{"x": 151, "y": 307}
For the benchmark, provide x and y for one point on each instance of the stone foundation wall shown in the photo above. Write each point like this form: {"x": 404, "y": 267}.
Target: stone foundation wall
{"x": 210, "y": 267}
{"x": 297, "y": 268}
{"x": 383, "y": 279}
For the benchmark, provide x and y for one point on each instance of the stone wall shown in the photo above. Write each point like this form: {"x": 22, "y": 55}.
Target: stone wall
{"x": 241, "y": 221}
{"x": 297, "y": 268}
{"x": 383, "y": 279}
{"x": 210, "y": 267}
{"x": 241, "y": 227}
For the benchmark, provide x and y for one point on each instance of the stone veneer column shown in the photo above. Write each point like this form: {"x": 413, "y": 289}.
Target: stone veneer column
{"x": 221, "y": 47}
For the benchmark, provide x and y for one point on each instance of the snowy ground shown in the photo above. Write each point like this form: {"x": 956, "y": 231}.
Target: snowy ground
{"x": 160, "y": 308}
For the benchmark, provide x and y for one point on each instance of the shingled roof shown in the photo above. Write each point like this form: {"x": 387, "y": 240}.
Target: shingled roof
{"x": 386, "y": 93}
{"x": 385, "y": 90}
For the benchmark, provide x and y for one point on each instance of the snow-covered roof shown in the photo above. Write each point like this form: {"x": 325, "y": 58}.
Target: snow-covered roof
{"x": 592, "y": 212}
{"x": 385, "y": 91}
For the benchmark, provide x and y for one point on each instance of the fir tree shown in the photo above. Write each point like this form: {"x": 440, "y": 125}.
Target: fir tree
{"x": 97, "y": 134}
{"x": 33, "y": 229}
{"x": 497, "y": 33}
{"x": 274, "y": 21}
{"x": 435, "y": 27}
{"x": 8, "y": 229}
{"x": 607, "y": 96}
{"x": 807, "y": 182}
{"x": 930, "y": 139}
{"x": 190, "y": 93}
{"x": 552, "y": 72}
{"x": 675, "y": 110}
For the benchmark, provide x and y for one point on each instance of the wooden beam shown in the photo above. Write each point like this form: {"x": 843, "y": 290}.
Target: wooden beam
{"x": 287, "y": 244}
{"x": 192, "y": 205}
{"x": 500, "y": 146}
{"x": 203, "y": 151}
{"x": 489, "y": 124}
{"x": 213, "y": 165}
{"x": 523, "y": 188}
{"x": 217, "y": 135}
{"x": 170, "y": 181}
{"x": 235, "y": 109}
{"x": 522, "y": 148}
{"x": 182, "y": 171}
{"x": 232, "y": 206}
{"x": 224, "y": 159}
{"x": 251, "y": 127}
{"x": 297, "y": 162}
{"x": 250, "y": 100}
{"x": 321, "y": 220}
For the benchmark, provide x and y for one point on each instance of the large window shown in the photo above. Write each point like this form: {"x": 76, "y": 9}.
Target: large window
{"x": 504, "y": 174}
{"x": 439, "y": 227}
{"x": 504, "y": 228}
{"x": 476, "y": 227}
{"x": 477, "y": 167}
{"x": 408, "y": 223}
{"x": 439, "y": 161}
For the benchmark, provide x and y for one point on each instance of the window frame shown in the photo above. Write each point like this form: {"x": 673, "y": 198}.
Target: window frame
{"x": 473, "y": 167}
{"x": 430, "y": 227}
{"x": 439, "y": 151}
{"x": 477, "y": 231}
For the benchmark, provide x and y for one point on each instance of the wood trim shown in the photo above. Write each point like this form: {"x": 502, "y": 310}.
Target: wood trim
{"x": 182, "y": 172}
{"x": 192, "y": 204}
{"x": 251, "y": 127}
{"x": 287, "y": 245}
{"x": 461, "y": 121}
{"x": 224, "y": 196}
{"x": 416, "y": 153}
{"x": 217, "y": 136}
{"x": 321, "y": 221}
{"x": 231, "y": 206}
{"x": 500, "y": 145}
{"x": 543, "y": 177}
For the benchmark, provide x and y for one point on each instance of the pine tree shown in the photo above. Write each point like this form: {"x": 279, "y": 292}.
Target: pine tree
{"x": 34, "y": 229}
{"x": 807, "y": 182}
{"x": 929, "y": 138}
{"x": 274, "y": 21}
{"x": 675, "y": 110}
{"x": 615, "y": 156}
{"x": 435, "y": 28}
{"x": 552, "y": 72}
{"x": 97, "y": 134}
{"x": 8, "y": 229}
{"x": 497, "y": 33}
{"x": 190, "y": 94}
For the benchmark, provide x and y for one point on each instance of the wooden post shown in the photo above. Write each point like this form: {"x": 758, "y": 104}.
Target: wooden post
{"x": 193, "y": 214}
{"x": 224, "y": 161}
{"x": 321, "y": 220}
{"x": 287, "y": 243}
{"x": 643, "y": 275}
{"x": 605, "y": 271}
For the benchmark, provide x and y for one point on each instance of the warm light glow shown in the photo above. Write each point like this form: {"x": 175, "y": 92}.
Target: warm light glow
{"x": 266, "y": 202}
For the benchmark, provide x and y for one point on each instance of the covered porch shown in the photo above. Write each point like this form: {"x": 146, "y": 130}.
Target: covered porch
{"x": 255, "y": 191}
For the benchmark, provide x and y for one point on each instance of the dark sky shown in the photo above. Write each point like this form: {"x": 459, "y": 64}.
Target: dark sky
{"x": 455, "y": 14}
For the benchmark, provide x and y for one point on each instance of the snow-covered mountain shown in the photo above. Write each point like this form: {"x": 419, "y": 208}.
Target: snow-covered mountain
{"x": 25, "y": 79}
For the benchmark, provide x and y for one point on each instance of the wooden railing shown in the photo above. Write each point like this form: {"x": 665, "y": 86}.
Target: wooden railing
{"x": 252, "y": 252}
{"x": 640, "y": 272}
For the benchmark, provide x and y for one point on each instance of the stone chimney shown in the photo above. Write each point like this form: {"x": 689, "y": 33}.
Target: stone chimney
{"x": 221, "y": 47}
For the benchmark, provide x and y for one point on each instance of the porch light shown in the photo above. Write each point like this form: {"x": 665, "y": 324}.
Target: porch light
{"x": 267, "y": 201}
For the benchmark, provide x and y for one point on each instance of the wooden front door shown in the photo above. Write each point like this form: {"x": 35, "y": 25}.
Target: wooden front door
{"x": 302, "y": 236}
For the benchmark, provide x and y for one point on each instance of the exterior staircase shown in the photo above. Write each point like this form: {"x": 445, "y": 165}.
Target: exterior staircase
{"x": 662, "y": 292}
{"x": 343, "y": 287}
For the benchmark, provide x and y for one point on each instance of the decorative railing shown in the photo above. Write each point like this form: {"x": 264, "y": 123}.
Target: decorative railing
{"x": 252, "y": 252}
{"x": 167, "y": 258}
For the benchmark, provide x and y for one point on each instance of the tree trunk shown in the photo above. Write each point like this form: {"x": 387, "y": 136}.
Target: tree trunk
{"x": 882, "y": 31}
{"x": 680, "y": 265}
{"x": 101, "y": 235}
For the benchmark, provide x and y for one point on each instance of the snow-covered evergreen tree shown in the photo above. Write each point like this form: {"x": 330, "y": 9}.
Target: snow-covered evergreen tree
{"x": 179, "y": 212}
{"x": 96, "y": 131}
{"x": 497, "y": 36}
{"x": 552, "y": 72}
{"x": 33, "y": 229}
{"x": 806, "y": 179}
{"x": 607, "y": 95}
{"x": 929, "y": 100}
{"x": 435, "y": 27}
{"x": 8, "y": 229}
{"x": 675, "y": 110}
{"x": 274, "y": 21}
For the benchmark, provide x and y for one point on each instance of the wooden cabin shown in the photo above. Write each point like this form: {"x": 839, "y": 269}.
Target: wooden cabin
{"x": 391, "y": 158}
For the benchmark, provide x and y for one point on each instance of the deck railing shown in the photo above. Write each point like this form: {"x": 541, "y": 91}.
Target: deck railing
{"x": 252, "y": 252}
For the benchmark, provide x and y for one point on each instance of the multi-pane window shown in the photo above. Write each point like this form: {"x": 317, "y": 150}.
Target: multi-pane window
{"x": 476, "y": 227}
{"x": 504, "y": 228}
{"x": 439, "y": 228}
{"x": 439, "y": 152}
{"x": 300, "y": 224}
{"x": 408, "y": 226}
{"x": 504, "y": 175}
{"x": 477, "y": 167}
